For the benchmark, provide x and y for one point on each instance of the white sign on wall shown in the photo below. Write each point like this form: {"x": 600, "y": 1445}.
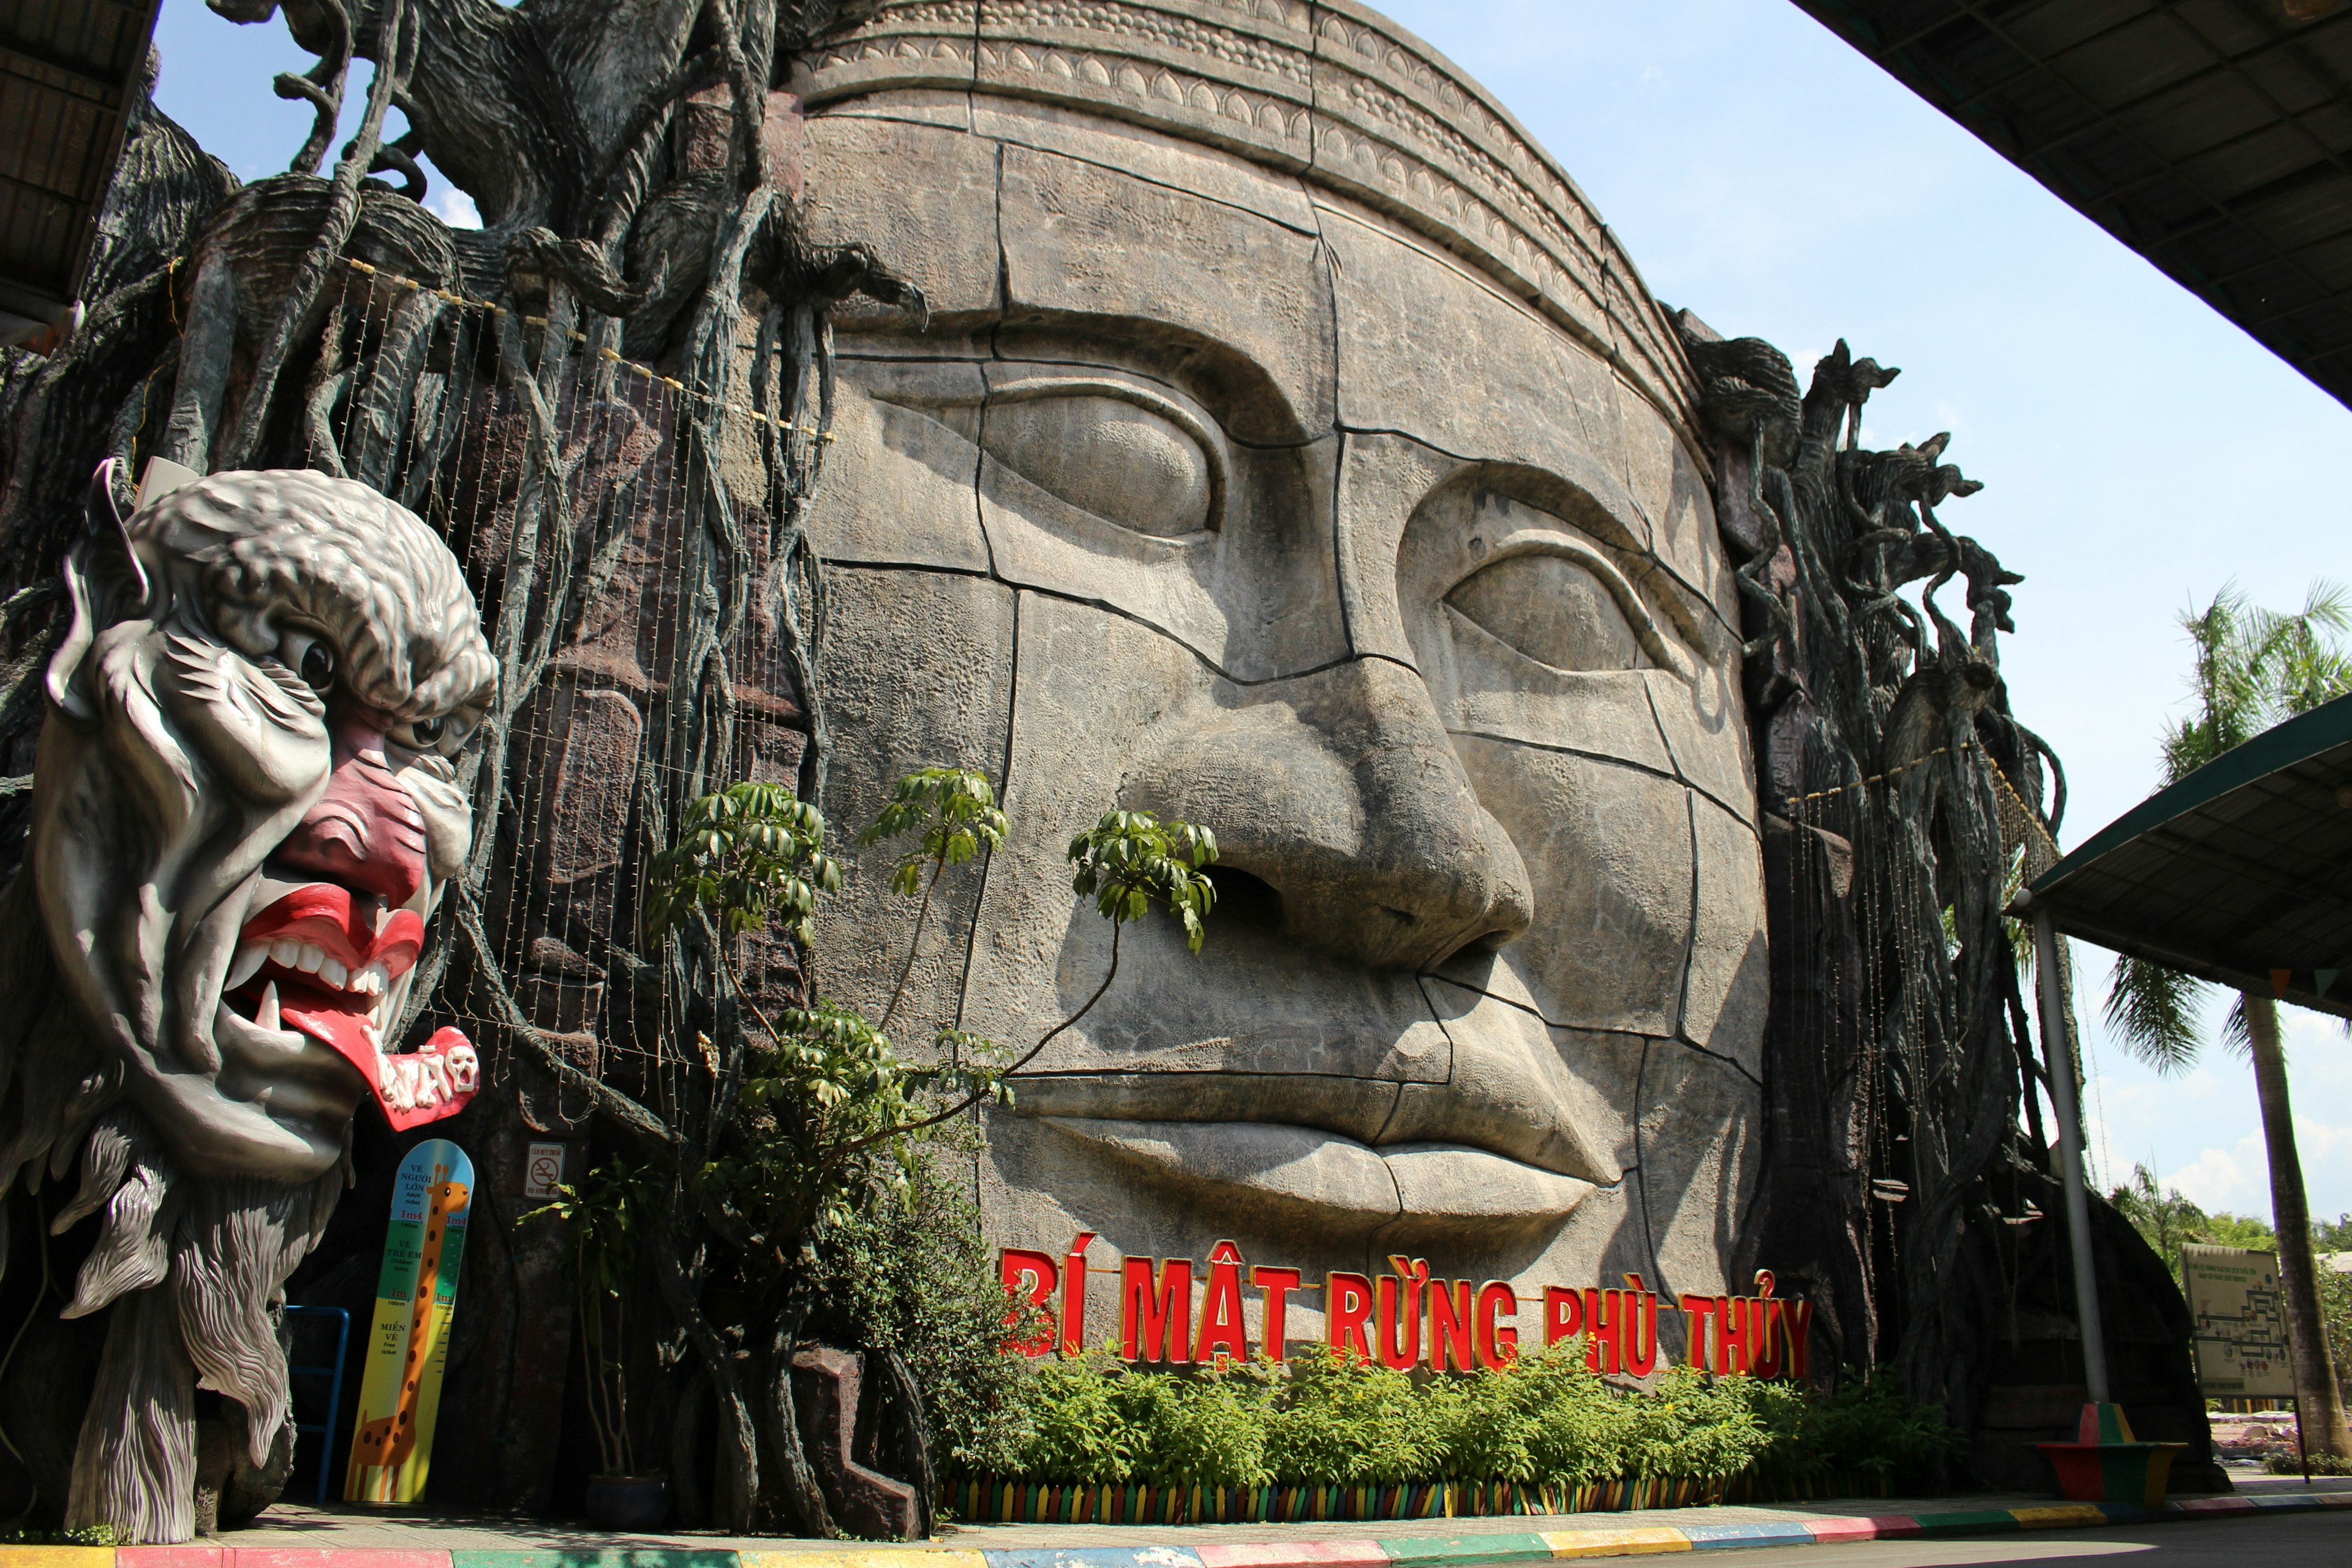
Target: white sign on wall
{"x": 2238, "y": 1315}
{"x": 542, "y": 1170}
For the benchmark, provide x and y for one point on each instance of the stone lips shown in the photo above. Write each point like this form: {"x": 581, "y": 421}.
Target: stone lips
{"x": 1333, "y": 91}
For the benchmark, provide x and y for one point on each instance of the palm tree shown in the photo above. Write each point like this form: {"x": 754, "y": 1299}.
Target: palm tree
{"x": 2164, "y": 1219}
{"x": 2253, "y": 668}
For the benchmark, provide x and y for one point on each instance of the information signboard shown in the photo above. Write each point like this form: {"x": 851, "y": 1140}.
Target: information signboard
{"x": 408, "y": 1348}
{"x": 2238, "y": 1315}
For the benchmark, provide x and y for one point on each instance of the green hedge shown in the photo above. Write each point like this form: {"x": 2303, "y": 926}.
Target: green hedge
{"x": 1546, "y": 1420}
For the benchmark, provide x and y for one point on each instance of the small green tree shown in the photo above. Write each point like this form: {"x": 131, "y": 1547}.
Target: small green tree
{"x": 752, "y": 857}
{"x": 2248, "y": 1231}
{"x": 828, "y": 1121}
{"x": 2165, "y": 1219}
{"x": 608, "y": 1211}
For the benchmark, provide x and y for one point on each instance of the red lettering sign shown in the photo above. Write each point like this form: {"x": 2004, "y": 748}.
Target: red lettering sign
{"x": 1277, "y": 1284}
{"x": 1028, "y": 1277}
{"x": 1155, "y": 1321}
{"x": 1402, "y": 1320}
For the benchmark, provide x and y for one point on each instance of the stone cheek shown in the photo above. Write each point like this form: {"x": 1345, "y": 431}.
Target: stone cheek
{"x": 918, "y": 667}
{"x": 1487, "y": 977}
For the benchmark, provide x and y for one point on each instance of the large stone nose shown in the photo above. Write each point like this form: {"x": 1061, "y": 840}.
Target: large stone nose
{"x": 1340, "y": 791}
{"x": 366, "y": 831}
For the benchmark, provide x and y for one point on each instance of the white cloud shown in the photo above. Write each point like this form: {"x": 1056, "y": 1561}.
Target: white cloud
{"x": 2216, "y": 1180}
{"x": 456, "y": 208}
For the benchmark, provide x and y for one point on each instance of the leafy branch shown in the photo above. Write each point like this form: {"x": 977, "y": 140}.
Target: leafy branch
{"x": 826, "y": 1086}
{"x": 956, "y": 810}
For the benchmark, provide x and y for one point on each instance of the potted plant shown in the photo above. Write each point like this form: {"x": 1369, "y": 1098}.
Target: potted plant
{"x": 607, "y": 1212}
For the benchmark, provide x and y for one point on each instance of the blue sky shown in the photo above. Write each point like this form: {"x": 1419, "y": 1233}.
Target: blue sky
{"x": 2138, "y": 451}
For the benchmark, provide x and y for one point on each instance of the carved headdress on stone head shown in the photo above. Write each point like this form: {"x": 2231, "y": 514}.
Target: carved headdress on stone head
{"x": 1331, "y": 92}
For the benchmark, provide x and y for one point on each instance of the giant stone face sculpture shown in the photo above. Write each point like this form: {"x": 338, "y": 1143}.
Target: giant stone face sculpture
{"x": 245, "y": 810}
{"x": 1292, "y": 450}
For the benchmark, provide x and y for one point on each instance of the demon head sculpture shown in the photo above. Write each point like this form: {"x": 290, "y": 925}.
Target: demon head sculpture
{"x": 245, "y": 810}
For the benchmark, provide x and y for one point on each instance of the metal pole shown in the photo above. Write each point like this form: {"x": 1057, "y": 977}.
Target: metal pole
{"x": 2060, "y": 1053}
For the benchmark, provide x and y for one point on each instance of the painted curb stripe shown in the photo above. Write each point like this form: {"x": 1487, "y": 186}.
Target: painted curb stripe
{"x": 1365, "y": 1553}
{"x": 1894, "y": 1527}
{"x": 1410, "y": 1552}
{"x": 1633, "y": 1541}
{"x": 1437, "y": 1551}
{"x": 1968, "y": 1521}
{"x": 567, "y": 1557}
{"x": 1093, "y": 1557}
{"x": 1751, "y": 1532}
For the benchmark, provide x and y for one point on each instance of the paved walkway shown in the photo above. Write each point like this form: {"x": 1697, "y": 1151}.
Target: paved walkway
{"x": 291, "y": 1536}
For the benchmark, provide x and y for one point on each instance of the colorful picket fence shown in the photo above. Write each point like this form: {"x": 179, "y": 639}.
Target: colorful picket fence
{"x": 995, "y": 1500}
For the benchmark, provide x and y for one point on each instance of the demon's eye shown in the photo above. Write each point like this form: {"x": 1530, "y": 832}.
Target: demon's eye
{"x": 444, "y": 734}
{"x": 311, "y": 657}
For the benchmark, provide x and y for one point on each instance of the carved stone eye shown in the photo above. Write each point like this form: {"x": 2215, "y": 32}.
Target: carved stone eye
{"x": 1553, "y": 611}
{"x": 1120, "y": 461}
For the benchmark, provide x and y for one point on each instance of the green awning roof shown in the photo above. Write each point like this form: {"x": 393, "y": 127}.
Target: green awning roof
{"x": 2239, "y": 871}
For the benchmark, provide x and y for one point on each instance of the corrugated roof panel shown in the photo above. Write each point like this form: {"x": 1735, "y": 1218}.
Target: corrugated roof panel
{"x": 66, "y": 70}
{"x": 2212, "y": 136}
{"x": 2242, "y": 869}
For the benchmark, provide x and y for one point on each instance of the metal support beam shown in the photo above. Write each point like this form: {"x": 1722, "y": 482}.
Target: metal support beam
{"x": 2060, "y": 1050}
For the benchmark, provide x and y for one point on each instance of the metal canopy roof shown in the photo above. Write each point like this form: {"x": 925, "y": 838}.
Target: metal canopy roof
{"x": 2214, "y": 137}
{"x": 68, "y": 71}
{"x": 2240, "y": 870}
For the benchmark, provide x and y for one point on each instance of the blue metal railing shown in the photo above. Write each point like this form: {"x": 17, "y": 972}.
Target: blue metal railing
{"x": 333, "y": 1373}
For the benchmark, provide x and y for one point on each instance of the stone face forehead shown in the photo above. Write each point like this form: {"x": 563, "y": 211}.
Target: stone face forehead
{"x": 1331, "y": 92}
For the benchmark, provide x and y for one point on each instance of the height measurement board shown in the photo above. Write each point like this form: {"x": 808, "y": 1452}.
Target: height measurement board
{"x": 408, "y": 1348}
{"x": 2238, "y": 1315}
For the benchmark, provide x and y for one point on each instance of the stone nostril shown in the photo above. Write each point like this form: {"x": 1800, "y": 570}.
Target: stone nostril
{"x": 1492, "y": 940}
{"x": 1244, "y": 902}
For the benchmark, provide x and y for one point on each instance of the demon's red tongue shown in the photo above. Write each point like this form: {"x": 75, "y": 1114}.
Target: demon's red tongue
{"x": 413, "y": 1087}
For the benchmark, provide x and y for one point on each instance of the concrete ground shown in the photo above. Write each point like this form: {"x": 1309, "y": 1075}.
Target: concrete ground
{"x": 293, "y": 1525}
{"x": 2297, "y": 1541}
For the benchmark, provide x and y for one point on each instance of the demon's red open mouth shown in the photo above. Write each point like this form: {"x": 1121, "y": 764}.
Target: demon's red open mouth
{"x": 324, "y": 962}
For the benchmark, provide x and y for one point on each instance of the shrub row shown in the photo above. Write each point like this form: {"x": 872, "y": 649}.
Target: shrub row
{"x": 1325, "y": 1420}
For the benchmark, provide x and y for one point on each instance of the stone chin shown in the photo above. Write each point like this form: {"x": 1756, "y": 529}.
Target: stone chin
{"x": 244, "y": 809}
